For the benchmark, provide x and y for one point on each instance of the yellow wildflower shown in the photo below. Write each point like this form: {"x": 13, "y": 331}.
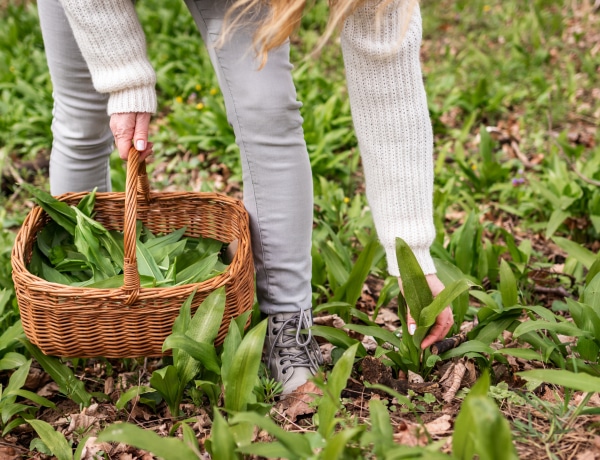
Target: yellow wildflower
{"x": 199, "y": 105}
{"x": 346, "y": 200}
{"x": 213, "y": 91}
{"x": 198, "y": 87}
{"x": 486, "y": 8}
{"x": 179, "y": 99}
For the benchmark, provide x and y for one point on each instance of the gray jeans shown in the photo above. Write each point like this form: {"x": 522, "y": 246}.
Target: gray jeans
{"x": 264, "y": 112}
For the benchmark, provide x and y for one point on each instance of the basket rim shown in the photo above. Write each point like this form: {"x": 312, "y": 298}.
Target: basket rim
{"x": 37, "y": 284}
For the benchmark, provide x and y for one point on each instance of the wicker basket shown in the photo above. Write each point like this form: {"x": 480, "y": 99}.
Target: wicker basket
{"x": 131, "y": 321}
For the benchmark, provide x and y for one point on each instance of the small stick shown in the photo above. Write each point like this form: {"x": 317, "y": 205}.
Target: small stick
{"x": 448, "y": 344}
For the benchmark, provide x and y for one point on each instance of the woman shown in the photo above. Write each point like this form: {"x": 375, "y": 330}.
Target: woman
{"x": 104, "y": 89}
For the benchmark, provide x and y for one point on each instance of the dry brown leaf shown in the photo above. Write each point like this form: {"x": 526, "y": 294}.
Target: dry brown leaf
{"x": 329, "y": 320}
{"x": 587, "y": 455}
{"x": 369, "y": 343}
{"x": 91, "y": 448}
{"x": 441, "y": 425}
{"x": 82, "y": 422}
{"x": 388, "y": 317}
{"x": 593, "y": 402}
{"x": 471, "y": 375}
{"x": 9, "y": 453}
{"x": 415, "y": 378}
{"x": 139, "y": 412}
{"x": 49, "y": 390}
{"x": 326, "y": 352}
{"x": 109, "y": 385}
{"x": 458, "y": 373}
{"x": 298, "y": 402}
{"x": 412, "y": 435}
{"x": 35, "y": 379}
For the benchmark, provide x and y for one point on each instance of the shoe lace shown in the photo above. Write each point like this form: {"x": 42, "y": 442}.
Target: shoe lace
{"x": 299, "y": 353}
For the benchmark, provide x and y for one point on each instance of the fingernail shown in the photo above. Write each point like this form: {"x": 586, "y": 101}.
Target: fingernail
{"x": 140, "y": 145}
{"x": 412, "y": 328}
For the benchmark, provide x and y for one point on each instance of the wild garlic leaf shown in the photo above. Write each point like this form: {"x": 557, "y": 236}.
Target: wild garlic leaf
{"x": 146, "y": 263}
{"x": 86, "y": 204}
{"x": 88, "y": 244}
{"x": 59, "y": 211}
{"x": 164, "y": 240}
{"x": 416, "y": 290}
{"x": 198, "y": 271}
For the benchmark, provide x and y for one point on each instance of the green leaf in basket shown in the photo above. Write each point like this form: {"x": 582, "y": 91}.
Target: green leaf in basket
{"x": 88, "y": 244}
{"x": 198, "y": 271}
{"x": 146, "y": 264}
{"x": 86, "y": 204}
{"x": 163, "y": 251}
{"x": 170, "y": 276}
{"x": 116, "y": 281}
{"x": 52, "y": 235}
{"x": 57, "y": 254}
{"x": 54, "y": 276}
{"x": 113, "y": 247}
{"x": 74, "y": 261}
{"x": 35, "y": 264}
{"x": 208, "y": 246}
{"x": 59, "y": 211}
{"x": 163, "y": 240}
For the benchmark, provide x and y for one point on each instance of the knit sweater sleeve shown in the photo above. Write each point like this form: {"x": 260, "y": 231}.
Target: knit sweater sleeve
{"x": 113, "y": 44}
{"x": 392, "y": 124}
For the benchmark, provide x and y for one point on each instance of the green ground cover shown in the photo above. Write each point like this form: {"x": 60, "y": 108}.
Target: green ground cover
{"x": 514, "y": 96}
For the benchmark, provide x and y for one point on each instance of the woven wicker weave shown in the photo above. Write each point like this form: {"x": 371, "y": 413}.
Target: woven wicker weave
{"x": 131, "y": 321}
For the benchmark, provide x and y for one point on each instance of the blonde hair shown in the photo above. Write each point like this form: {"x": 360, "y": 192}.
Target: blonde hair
{"x": 283, "y": 17}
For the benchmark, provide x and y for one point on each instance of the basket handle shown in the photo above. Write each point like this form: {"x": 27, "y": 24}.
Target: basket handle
{"x": 136, "y": 182}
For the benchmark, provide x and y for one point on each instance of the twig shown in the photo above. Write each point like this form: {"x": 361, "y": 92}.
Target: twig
{"x": 553, "y": 290}
{"x": 448, "y": 344}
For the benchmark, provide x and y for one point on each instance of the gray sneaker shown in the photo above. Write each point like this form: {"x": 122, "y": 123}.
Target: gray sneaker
{"x": 292, "y": 357}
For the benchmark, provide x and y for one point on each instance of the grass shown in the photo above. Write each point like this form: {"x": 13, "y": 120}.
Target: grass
{"x": 514, "y": 96}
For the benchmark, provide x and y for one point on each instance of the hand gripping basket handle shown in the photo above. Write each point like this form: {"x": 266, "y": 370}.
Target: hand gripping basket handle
{"x": 136, "y": 182}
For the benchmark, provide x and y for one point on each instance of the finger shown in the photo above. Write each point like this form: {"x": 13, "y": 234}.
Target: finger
{"x": 122, "y": 126}
{"x": 145, "y": 154}
{"x": 411, "y": 324}
{"x": 440, "y": 329}
{"x": 140, "y": 135}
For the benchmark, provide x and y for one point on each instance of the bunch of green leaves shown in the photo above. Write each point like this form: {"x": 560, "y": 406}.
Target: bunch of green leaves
{"x": 480, "y": 430}
{"x": 585, "y": 327}
{"x": 198, "y": 365}
{"x": 13, "y": 413}
{"x": 74, "y": 249}
{"x": 25, "y": 87}
{"x": 418, "y": 300}
{"x": 568, "y": 190}
{"x": 192, "y": 343}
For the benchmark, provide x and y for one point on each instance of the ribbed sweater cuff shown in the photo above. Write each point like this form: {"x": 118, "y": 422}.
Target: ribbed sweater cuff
{"x": 423, "y": 257}
{"x": 138, "y": 99}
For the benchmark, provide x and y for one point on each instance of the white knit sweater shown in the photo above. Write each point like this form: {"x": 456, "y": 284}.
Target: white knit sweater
{"x": 387, "y": 97}
{"x": 113, "y": 44}
{"x": 392, "y": 124}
